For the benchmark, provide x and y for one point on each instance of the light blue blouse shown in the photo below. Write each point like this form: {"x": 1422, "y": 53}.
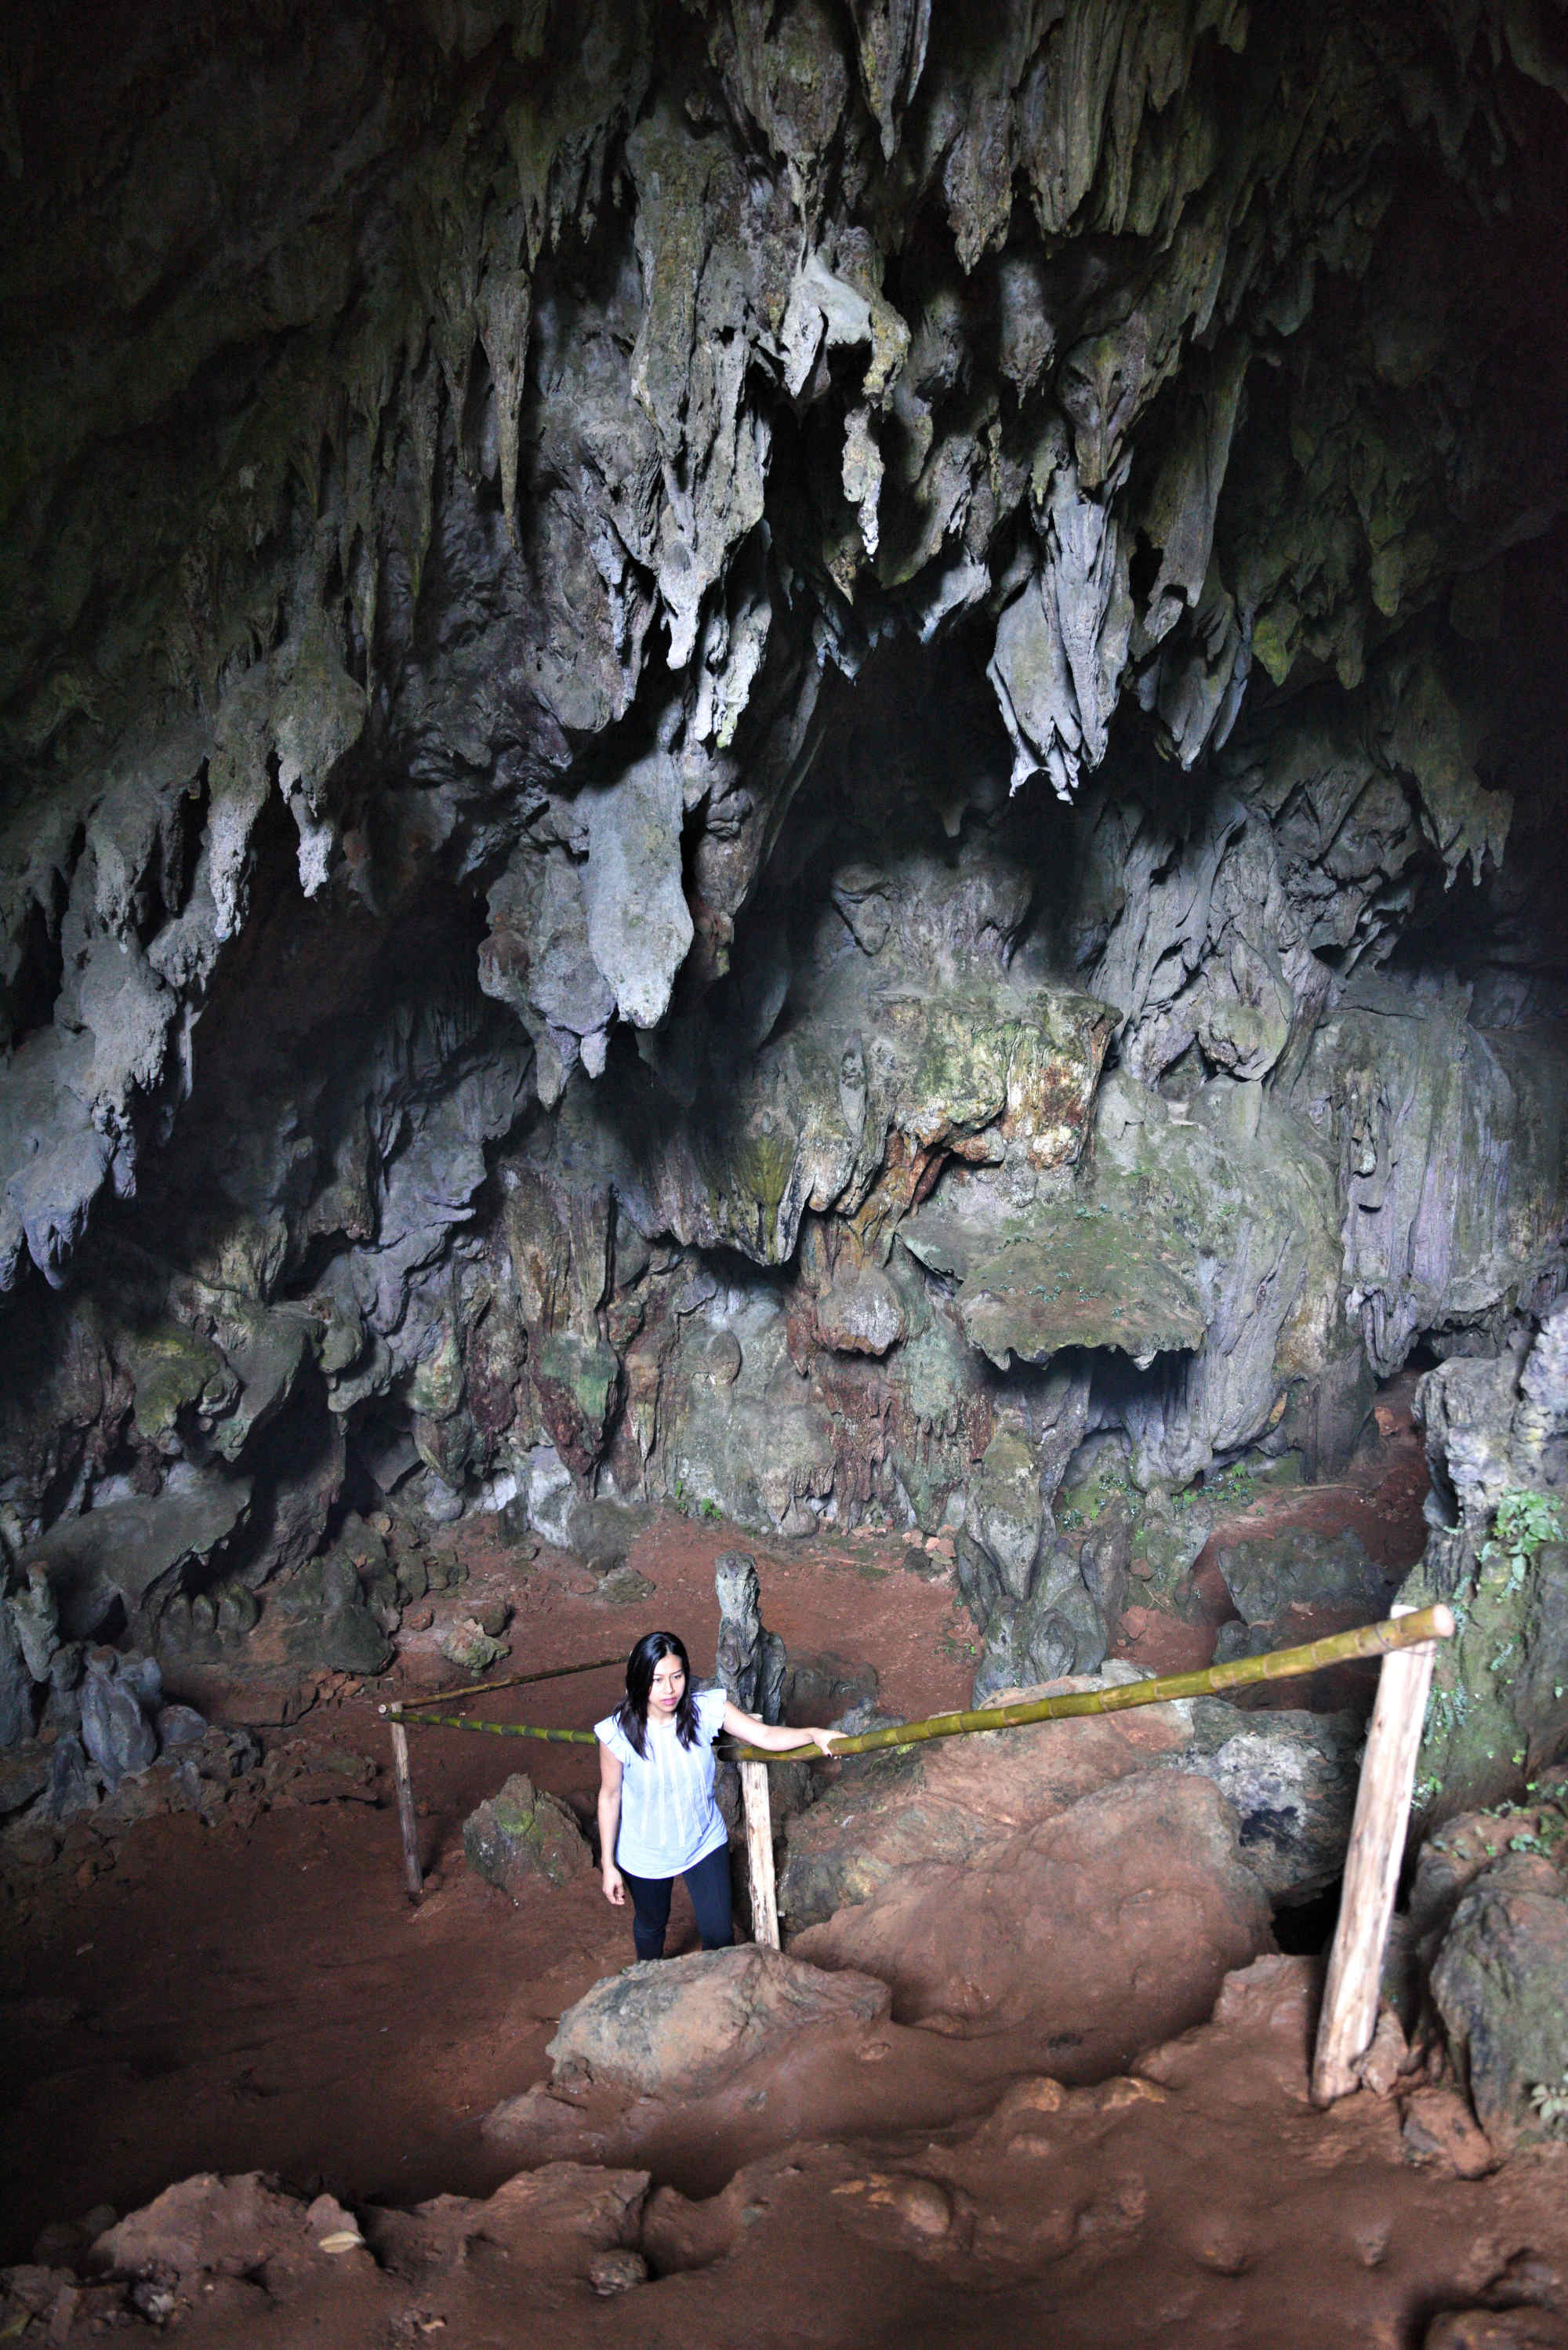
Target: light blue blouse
{"x": 669, "y": 1820}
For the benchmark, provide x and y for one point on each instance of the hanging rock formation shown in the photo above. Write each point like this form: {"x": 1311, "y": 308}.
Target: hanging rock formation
{"x": 775, "y": 756}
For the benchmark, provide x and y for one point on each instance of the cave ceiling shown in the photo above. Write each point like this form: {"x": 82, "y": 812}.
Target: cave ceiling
{"x": 672, "y": 582}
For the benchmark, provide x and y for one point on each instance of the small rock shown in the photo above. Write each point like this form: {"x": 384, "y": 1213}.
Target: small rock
{"x": 23, "y": 1774}
{"x": 523, "y": 1834}
{"x": 1386, "y": 2058}
{"x": 336, "y": 2232}
{"x": 491, "y": 1615}
{"x": 412, "y": 1574}
{"x": 1439, "y": 2129}
{"x": 616, "y": 2271}
{"x": 1496, "y": 2329}
{"x": 73, "y": 1784}
{"x": 625, "y": 1587}
{"x": 924, "y": 2206}
{"x": 178, "y": 1725}
{"x": 469, "y": 1645}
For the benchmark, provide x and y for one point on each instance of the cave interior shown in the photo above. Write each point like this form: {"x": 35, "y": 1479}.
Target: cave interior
{"x": 788, "y": 774}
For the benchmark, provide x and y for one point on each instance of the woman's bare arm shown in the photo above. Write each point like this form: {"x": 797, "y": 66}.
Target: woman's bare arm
{"x": 609, "y": 1826}
{"x": 774, "y": 1736}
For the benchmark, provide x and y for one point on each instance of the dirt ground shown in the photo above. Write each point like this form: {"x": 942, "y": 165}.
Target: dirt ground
{"x": 229, "y": 1999}
{"x": 264, "y": 1998}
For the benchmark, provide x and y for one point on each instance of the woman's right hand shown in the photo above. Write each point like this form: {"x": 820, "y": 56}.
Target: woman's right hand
{"x": 614, "y": 1886}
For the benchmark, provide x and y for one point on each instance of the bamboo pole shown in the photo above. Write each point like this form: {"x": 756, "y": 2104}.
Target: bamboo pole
{"x": 1242, "y": 1672}
{"x": 760, "y": 1855}
{"x": 1372, "y": 1865}
{"x": 407, "y": 1821}
{"x": 1278, "y": 1665}
{"x": 496, "y": 1728}
{"x": 516, "y": 1680}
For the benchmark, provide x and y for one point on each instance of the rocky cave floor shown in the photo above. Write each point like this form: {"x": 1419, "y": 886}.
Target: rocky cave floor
{"x": 274, "y": 2006}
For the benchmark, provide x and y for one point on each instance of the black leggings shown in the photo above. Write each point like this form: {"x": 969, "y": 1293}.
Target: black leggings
{"x": 707, "y": 1883}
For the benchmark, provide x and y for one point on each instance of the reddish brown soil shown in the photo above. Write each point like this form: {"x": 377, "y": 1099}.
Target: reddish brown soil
{"x": 1200, "y": 2203}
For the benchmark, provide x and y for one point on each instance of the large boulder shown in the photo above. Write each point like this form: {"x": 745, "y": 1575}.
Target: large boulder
{"x": 682, "y": 2027}
{"x": 521, "y": 1833}
{"x": 1499, "y": 1985}
{"x": 1288, "y": 1778}
{"x": 1267, "y": 1573}
{"x": 1092, "y": 1936}
{"x": 324, "y": 1621}
{"x": 554, "y": 2221}
{"x": 951, "y": 1799}
{"x": 137, "y": 1554}
{"x": 206, "y": 2225}
{"x": 1497, "y": 1439}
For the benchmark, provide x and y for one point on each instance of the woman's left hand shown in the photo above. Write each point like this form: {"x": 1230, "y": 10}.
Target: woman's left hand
{"x": 822, "y": 1738}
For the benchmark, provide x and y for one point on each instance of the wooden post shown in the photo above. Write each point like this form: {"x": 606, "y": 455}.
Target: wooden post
{"x": 760, "y": 1854}
{"x": 407, "y": 1821}
{"x": 1372, "y": 1865}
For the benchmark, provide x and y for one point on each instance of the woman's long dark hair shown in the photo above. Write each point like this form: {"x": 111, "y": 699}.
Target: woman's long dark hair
{"x": 632, "y": 1712}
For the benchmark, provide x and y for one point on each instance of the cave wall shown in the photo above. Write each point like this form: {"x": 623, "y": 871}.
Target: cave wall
{"x": 776, "y": 757}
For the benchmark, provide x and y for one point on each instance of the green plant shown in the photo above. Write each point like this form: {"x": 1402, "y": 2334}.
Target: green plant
{"x": 1522, "y": 1522}
{"x": 709, "y": 1509}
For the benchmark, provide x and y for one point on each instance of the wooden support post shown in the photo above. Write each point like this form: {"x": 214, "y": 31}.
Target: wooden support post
{"x": 1372, "y": 1866}
{"x": 407, "y": 1821}
{"x": 760, "y": 1854}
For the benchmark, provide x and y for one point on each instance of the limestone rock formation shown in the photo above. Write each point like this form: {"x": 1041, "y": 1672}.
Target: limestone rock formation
{"x": 770, "y": 759}
{"x": 1497, "y": 1433}
{"x": 1497, "y": 1987}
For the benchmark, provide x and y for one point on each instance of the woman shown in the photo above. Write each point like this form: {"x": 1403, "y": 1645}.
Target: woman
{"x": 658, "y": 1819}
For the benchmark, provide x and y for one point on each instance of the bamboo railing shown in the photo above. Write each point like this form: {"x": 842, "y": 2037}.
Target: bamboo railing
{"x": 1378, "y": 1837}
{"x": 1210, "y": 1680}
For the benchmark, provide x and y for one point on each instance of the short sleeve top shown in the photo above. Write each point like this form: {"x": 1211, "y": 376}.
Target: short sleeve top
{"x": 669, "y": 1820}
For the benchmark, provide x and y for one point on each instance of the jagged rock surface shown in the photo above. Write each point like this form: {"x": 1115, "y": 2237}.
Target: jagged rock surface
{"x": 1497, "y": 1437}
{"x": 588, "y": 607}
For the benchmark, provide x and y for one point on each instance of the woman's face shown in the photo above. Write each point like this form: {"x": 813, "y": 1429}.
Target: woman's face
{"x": 666, "y": 1689}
